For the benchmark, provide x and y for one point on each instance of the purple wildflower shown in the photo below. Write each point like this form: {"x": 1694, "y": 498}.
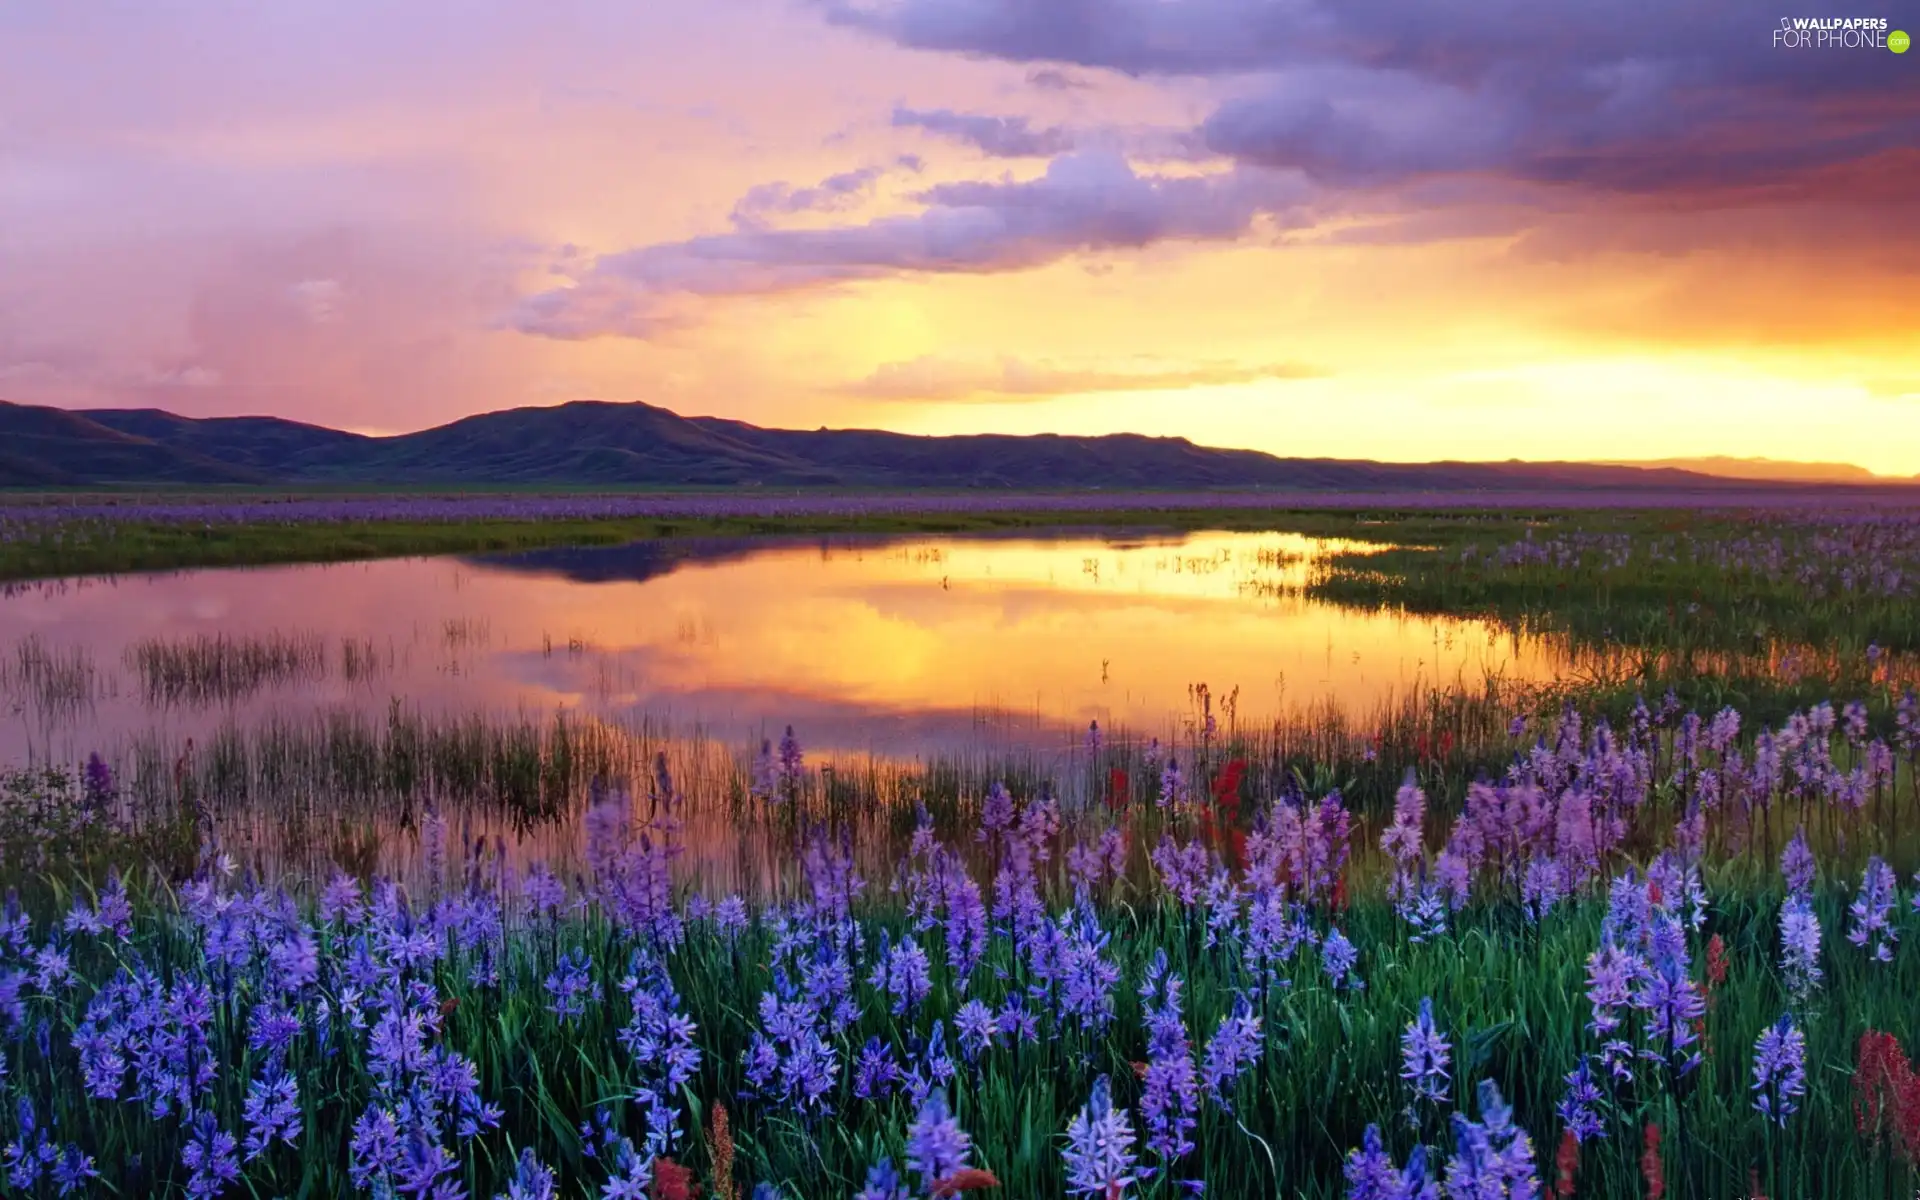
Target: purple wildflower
{"x": 1234, "y": 1047}
{"x": 884, "y": 1183}
{"x": 1404, "y": 839}
{"x": 765, "y": 783}
{"x": 272, "y": 1112}
{"x": 1371, "y": 1174}
{"x": 1493, "y": 1157}
{"x": 1099, "y": 1150}
{"x": 1173, "y": 784}
{"x": 662, "y": 1043}
{"x": 1338, "y": 956}
{"x": 209, "y": 1158}
{"x": 1579, "y": 1109}
{"x": 1872, "y": 911}
{"x": 936, "y": 1145}
{"x": 1797, "y": 864}
{"x": 905, "y": 973}
{"x": 792, "y": 762}
{"x": 1424, "y": 1055}
{"x": 72, "y": 1170}
{"x": 531, "y": 1180}
{"x": 977, "y": 1026}
{"x": 1799, "y": 946}
{"x": 97, "y": 783}
{"x": 1779, "y": 1070}
{"x": 876, "y": 1072}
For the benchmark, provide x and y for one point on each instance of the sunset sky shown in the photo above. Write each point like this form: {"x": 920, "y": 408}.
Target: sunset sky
{"x": 1394, "y": 229}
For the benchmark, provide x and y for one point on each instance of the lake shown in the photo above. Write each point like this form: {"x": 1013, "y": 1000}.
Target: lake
{"x": 893, "y": 646}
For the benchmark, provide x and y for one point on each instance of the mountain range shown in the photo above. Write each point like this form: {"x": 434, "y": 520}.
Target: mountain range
{"x": 623, "y": 445}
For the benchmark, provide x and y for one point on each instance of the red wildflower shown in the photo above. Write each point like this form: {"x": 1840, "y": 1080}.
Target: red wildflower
{"x": 1650, "y": 1168}
{"x": 1118, "y": 789}
{"x": 1446, "y": 743}
{"x": 1226, "y": 785}
{"x": 1886, "y": 1095}
{"x": 1567, "y": 1162}
{"x": 720, "y": 1149}
{"x": 968, "y": 1179}
{"x": 671, "y": 1181}
{"x": 1716, "y": 961}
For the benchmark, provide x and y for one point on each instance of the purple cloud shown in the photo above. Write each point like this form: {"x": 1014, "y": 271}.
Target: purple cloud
{"x": 835, "y": 193}
{"x": 1643, "y": 96}
{"x": 1053, "y": 79}
{"x": 996, "y": 137}
{"x": 1084, "y": 203}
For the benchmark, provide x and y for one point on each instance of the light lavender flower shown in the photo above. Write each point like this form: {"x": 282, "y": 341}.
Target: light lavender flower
{"x": 1799, "y": 947}
{"x": 1872, "y": 911}
{"x": 1099, "y": 1151}
{"x": 1234, "y": 1047}
{"x": 1779, "y": 1070}
{"x": 937, "y": 1147}
{"x": 1424, "y": 1057}
{"x": 1797, "y": 864}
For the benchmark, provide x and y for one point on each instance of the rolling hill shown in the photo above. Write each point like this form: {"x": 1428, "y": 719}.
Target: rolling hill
{"x": 601, "y": 444}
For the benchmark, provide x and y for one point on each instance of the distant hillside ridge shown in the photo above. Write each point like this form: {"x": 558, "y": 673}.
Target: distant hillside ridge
{"x": 590, "y": 443}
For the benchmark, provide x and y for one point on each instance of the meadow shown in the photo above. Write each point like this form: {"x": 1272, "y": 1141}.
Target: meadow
{"x": 1649, "y": 931}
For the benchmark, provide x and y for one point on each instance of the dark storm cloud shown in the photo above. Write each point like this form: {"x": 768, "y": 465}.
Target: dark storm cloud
{"x": 1632, "y": 96}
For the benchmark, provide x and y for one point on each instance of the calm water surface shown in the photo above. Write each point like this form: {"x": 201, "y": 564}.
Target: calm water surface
{"x": 895, "y": 646}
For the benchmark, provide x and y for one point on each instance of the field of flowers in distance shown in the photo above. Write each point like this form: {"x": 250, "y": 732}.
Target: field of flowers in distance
{"x": 1648, "y": 932}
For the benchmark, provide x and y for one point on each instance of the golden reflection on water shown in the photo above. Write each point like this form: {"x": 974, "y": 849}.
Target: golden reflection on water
{"x": 861, "y": 644}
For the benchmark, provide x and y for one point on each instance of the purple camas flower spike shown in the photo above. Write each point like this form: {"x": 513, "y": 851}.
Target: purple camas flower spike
{"x": 571, "y": 987}
{"x": 1799, "y": 947}
{"x": 1579, "y": 1109}
{"x": 1424, "y": 1057}
{"x": 531, "y": 1180}
{"x": 1797, "y": 864}
{"x": 209, "y": 1158}
{"x": 884, "y": 1183}
{"x": 936, "y": 1145}
{"x": 1173, "y": 784}
{"x": 1099, "y": 1152}
{"x": 1492, "y": 1157}
{"x": 1338, "y": 956}
{"x": 792, "y": 762}
{"x": 1233, "y": 1048}
{"x": 1371, "y": 1174}
{"x": 1872, "y": 911}
{"x": 97, "y": 784}
{"x": 1779, "y": 1071}
{"x": 1170, "y": 1095}
{"x": 272, "y": 1113}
